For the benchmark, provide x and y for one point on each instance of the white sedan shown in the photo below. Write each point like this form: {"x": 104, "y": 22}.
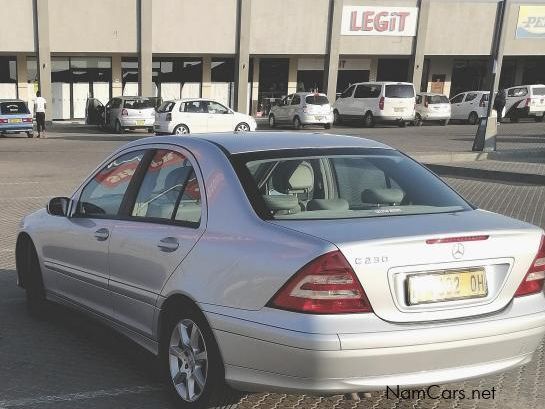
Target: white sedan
{"x": 199, "y": 115}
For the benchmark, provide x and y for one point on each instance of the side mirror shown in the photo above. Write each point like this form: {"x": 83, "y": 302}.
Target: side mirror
{"x": 58, "y": 206}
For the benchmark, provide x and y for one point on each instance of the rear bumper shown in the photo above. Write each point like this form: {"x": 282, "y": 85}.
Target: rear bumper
{"x": 262, "y": 357}
{"x": 11, "y": 128}
{"x": 137, "y": 122}
{"x": 402, "y": 117}
{"x": 432, "y": 116}
{"x": 310, "y": 119}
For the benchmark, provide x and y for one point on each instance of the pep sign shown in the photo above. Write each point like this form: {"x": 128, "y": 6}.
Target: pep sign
{"x": 379, "y": 21}
{"x": 531, "y": 22}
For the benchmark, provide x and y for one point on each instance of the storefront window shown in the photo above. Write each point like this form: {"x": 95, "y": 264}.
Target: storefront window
{"x": 223, "y": 80}
{"x": 176, "y": 78}
{"x": 129, "y": 74}
{"x": 8, "y": 77}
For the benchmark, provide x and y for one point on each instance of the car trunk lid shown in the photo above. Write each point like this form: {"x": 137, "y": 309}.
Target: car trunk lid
{"x": 386, "y": 252}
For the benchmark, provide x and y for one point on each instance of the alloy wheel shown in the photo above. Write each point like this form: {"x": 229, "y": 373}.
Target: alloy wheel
{"x": 242, "y": 127}
{"x": 181, "y": 130}
{"x": 188, "y": 360}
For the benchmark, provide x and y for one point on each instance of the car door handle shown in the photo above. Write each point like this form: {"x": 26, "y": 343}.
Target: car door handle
{"x": 102, "y": 234}
{"x": 168, "y": 244}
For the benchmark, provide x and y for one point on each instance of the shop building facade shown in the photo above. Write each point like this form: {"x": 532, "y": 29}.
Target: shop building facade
{"x": 246, "y": 53}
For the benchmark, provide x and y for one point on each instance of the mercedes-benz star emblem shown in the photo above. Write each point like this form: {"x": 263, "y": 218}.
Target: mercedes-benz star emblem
{"x": 458, "y": 250}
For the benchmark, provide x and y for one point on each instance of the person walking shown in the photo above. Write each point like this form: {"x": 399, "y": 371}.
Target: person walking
{"x": 499, "y": 103}
{"x": 39, "y": 111}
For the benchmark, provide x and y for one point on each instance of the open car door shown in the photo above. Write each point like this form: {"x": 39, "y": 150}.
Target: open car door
{"x": 94, "y": 112}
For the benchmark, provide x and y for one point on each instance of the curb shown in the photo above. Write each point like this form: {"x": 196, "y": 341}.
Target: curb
{"x": 452, "y": 157}
{"x": 492, "y": 175}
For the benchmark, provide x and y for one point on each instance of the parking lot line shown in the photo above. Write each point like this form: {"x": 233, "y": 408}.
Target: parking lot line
{"x": 105, "y": 393}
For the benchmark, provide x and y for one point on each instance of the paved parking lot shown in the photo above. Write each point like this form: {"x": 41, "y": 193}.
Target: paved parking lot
{"x": 69, "y": 361}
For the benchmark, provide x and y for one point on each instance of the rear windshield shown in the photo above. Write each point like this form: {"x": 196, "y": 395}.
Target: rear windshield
{"x": 399, "y": 91}
{"x": 437, "y": 99}
{"x": 141, "y": 103}
{"x": 538, "y": 91}
{"x": 16, "y": 107}
{"x": 345, "y": 183}
{"x": 167, "y": 106}
{"x": 316, "y": 100}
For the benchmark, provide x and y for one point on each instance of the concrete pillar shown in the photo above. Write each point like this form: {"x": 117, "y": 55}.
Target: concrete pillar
{"x": 331, "y": 67}
{"x": 44, "y": 54}
{"x": 373, "y": 69}
{"x": 419, "y": 44}
{"x": 145, "y": 49}
{"x": 255, "y": 86}
{"x": 22, "y": 77}
{"x": 117, "y": 76}
{"x": 242, "y": 63}
{"x": 206, "y": 77}
{"x": 292, "y": 75}
{"x": 519, "y": 71}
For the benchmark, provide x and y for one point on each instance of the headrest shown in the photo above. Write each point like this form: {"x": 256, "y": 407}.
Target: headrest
{"x": 293, "y": 175}
{"x": 277, "y": 203}
{"x": 176, "y": 176}
{"x": 328, "y": 204}
{"x": 382, "y": 196}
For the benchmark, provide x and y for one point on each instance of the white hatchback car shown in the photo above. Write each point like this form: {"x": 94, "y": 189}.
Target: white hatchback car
{"x": 374, "y": 102}
{"x": 199, "y": 115}
{"x": 302, "y": 108}
{"x": 470, "y": 106}
{"x": 432, "y": 107}
{"x": 525, "y": 101}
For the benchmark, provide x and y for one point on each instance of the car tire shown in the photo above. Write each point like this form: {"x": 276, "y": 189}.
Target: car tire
{"x": 180, "y": 130}
{"x": 327, "y": 126}
{"x": 272, "y": 121}
{"x": 189, "y": 355}
{"x": 444, "y": 122}
{"x": 337, "y": 119}
{"x": 539, "y": 118}
{"x": 118, "y": 128}
{"x": 28, "y": 268}
{"x": 402, "y": 124}
{"x": 418, "y": 120}
{"x": 297, "y": 123}
{"x": 473, "y": 118}
{"x": 30, "y": 134}
{"x": 368, "y": 120}
{"x": 150, "y": 130}
{"x": 242, "y": 127}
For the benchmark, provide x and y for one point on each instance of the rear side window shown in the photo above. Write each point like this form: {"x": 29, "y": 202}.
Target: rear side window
{"x": 399, "y": 91}
{"x": 470, "y": 96}
{"x": 167, "y": 106}
{"x": 141, "y": 103}
{"x": 11, "y": 108}
{"x": 457, "y": 99}
{"x": 348, "y": 92}
{"x": 437, "y": 99}
{"x": 538, "y": 91}
{"x": 104, "y": 194}
{"x": 316, "y": 100}
{"x": 517, "y": 92}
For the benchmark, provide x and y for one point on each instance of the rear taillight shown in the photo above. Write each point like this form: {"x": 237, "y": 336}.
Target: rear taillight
{"x": 124, "y": 112}
{"x": 528, "y": 101}
{"x": 535, "y": 277}
{"x": 381, "y": 103}
{"x": 27, "y": 119}
{"x": 168, "y": 117}
{"x": 327, "y": 285}
{"x": 3, "y": 121}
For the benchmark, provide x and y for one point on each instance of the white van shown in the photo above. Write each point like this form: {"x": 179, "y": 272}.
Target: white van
{"x": 525, "y": 101}
{"x": 374, "y": 102}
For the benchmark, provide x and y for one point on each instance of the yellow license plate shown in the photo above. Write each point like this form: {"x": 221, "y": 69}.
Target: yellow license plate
{"x": 446, "y": 286}
{"x": 140, "y": 122}
{"x": 15, "y": 121}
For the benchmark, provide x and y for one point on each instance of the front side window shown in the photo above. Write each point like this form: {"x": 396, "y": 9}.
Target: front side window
{"x": 470, "y": 96}
{"x": 348, "y": 92}
{"x": 457, "y": 99}
{"x": 296, "y": 100}
{"x": 104, "y": 194}
{"x": 355, "y": 183}
{"x": 169, "y": 190}
{"x": 362, "y": 91}
{"x": 216, "y": 108}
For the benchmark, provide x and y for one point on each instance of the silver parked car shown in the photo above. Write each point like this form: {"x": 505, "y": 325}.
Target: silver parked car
{"x": 300, "y": 109}
{"x": 246, "y": 262}
{"x": 122, "y": 113}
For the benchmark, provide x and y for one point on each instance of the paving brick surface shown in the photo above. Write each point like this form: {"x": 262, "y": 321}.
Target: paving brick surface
{"x": 68, "y": 361}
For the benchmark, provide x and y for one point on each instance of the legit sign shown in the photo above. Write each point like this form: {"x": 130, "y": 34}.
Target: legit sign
{"x": 379, "y": 21}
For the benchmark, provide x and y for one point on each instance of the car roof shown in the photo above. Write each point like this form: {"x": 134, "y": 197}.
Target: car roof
{"x": 383, "y": 83}
{"x": 430, "y": 94}
{"x": 244, "y": 142}
{"x": 11, "y": 100}
{"x": 305, "y": 93}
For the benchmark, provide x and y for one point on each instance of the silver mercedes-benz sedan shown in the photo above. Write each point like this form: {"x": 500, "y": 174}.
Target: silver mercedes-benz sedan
{"x": 289, "y": 262}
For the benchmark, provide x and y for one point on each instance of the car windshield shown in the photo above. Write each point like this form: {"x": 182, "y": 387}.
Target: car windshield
{"x": 141, "y": 103}
{"x": 342, "y": 183}
{"x": 399, "y": 91}
{"x": 12, "y": 108}
{"x": 316, "y": 100}
{"x": 538, "y": 90}
{"x": 437, "y": 99}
